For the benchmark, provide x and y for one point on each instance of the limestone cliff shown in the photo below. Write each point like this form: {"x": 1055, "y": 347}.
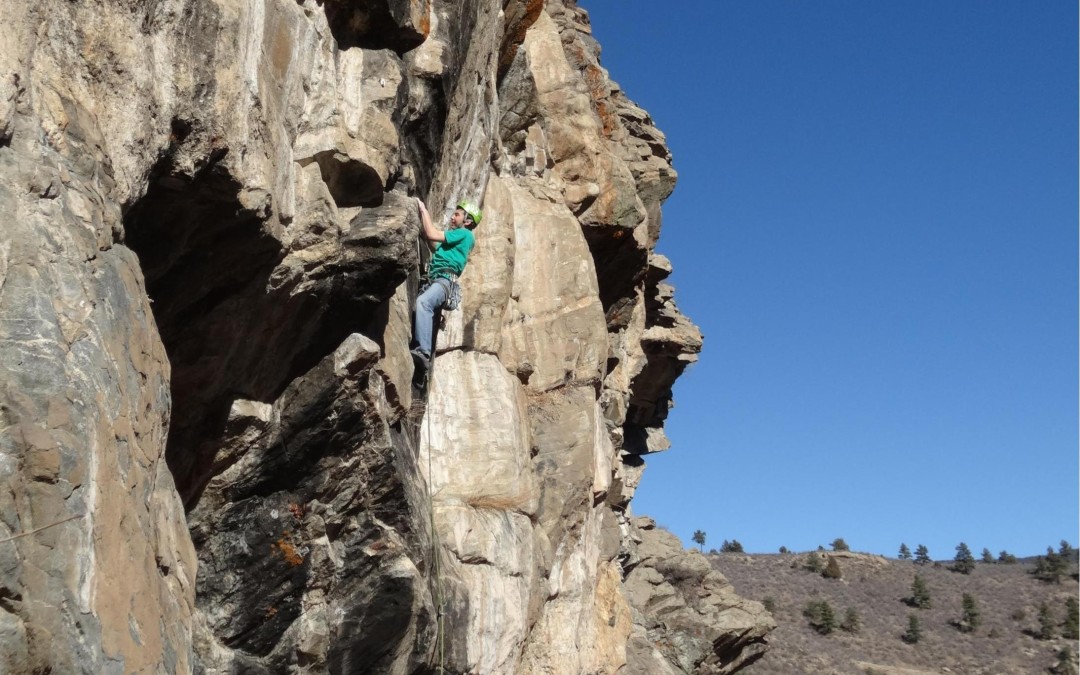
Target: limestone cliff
{"x": 211, "y": 454}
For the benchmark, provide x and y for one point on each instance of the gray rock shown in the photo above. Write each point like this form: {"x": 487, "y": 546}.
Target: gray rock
{"x": 215, "y": 459}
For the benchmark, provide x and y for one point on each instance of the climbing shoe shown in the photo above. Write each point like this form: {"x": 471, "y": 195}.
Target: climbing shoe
{"x": 421, "y": 359}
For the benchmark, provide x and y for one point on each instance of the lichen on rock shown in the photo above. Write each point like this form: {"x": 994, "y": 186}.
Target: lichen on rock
{"x": 213, "y": 455}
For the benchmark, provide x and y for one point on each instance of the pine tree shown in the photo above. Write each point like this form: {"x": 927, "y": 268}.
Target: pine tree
{"x": 851, "y": 623}
{"x": 1050, "y": 567}
{"x": 1006, "y": 558}
{"x": 1071, "y": 629}
{"x": 914, "y": 630}
{"x": 964, "y": 562}
{"x": 732, "y": 546}
{"x": 839, "y": 544}
{"x": 905, "y": 552}
{"x": 699, "y": 539}
{"x": 821, "y": 617}
{"x": 922, "y": 555}
{"x": 1046, "y": 623}
{"x": 987, "y": 556}
{"x": 920, "y": 594}
{"x": 783, "y": 550}
{"x": 970, "y": 619}
{"x": 1066, "y": 550}
{"x": 828, "y": 619}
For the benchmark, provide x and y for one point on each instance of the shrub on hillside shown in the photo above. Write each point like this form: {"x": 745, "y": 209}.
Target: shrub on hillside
{"x": 1066, "y": 663}
{"x": 813, "y": 562}
{"x": 820, "y": 615}
{"x": 1006, "y": 558}
{"x": 1046, "y": 623}
{"x": 970, "y": 618}
{"x": 839, "y": 544}
{"x": 851, "y": 623}
{"x": 920, "y": 594}
{"x": 832, "y": 569}
{"x": 914, "y": 630}
{"x": 1050, "y": 567}
{"x": 732, "y": 546}
{"x": 1071, "y": 628}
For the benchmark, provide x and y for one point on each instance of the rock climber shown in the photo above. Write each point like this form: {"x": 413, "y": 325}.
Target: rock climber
{"x": 452, "y": 248}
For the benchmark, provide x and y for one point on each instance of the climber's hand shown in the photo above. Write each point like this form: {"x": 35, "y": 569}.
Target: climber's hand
{"x": 429, "y": 230}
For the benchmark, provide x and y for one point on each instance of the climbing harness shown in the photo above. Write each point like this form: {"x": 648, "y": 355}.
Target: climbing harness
{"x": 449, "y": 281}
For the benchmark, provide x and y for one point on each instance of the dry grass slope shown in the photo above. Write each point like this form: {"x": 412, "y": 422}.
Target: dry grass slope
{"x": 1008, "y": 599}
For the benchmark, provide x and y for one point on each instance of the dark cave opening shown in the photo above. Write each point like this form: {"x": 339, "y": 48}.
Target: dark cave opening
{"x": 236, "y": 322}
{"x": 240, "y": 321}
{"x": 616, "y": 254}
{"x": 350, "y": 181}
{"x": 372, "y": 25}
{"x": 203, "y": 256}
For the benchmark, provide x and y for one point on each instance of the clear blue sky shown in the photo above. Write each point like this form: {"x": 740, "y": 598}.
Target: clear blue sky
{"x": 875, "y": 227}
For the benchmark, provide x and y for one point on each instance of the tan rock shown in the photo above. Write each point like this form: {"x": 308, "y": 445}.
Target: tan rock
{"x": 685, "y": 605}
{"x": 554, "y": 332}
{"x": 474, "y": 436}
{"x": 218, "y": 457}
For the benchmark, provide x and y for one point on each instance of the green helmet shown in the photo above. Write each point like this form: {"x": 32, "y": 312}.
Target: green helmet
{"x": 472, "y": 210}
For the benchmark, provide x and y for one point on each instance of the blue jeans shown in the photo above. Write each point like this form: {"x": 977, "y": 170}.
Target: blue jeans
{"x": 429, "y": 302}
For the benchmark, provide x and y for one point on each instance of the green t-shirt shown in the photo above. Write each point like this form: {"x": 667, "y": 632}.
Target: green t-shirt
{"x": 450, "y": 255}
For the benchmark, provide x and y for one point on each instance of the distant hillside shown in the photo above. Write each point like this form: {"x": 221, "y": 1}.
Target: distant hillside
{"x": 1007, "y": 597}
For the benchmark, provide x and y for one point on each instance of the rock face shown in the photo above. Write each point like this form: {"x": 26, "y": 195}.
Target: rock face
{"x": 687, "y": 616}
{"x": 213, "y": 457}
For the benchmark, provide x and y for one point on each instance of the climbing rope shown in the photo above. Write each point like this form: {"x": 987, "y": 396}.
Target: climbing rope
{"x": 39, "y": 529}
{"x": 429, "y": 385}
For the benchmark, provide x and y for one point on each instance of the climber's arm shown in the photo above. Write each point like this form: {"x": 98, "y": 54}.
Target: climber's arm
{"x": 431, "y": 233}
